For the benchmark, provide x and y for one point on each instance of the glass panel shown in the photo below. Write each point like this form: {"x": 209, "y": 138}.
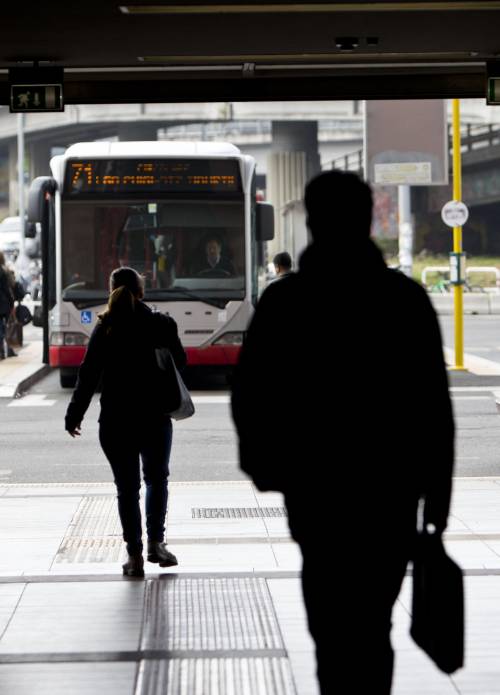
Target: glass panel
{"x": 181, "y": 247}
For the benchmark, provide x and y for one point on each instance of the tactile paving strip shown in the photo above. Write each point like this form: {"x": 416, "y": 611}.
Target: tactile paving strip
{"x": 219, "y": 613}
{"x": 95, "y": 533}
{"x": 225, "y": 676}
{"x": 237, "y": 512}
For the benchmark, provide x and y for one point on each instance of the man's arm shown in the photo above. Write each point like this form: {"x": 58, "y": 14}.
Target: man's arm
{"x": 253, "y": 407}
{"x": 439, "y": 432}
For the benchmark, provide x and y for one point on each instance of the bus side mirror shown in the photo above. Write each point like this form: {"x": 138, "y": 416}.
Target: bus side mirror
{"x": 36, "y": 197}
{"x": 264, "y": 222}
{"x": 30, "y": 230}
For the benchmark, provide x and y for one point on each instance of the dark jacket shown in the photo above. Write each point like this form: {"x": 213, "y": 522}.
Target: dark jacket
{"x": 341, "y": 389}
{"x": 123, "y": 357}
{"x": 6, "y": 294}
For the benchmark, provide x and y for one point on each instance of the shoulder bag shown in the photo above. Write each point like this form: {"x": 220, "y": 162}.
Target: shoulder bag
{"x": 23, "y": 314}
{"x": 175, "y": 395}
{"x": 14, "y": 332}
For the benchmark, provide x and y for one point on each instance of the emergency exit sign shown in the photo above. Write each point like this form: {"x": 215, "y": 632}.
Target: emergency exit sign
{"x": 493, "y": 96}
{"x": 493, "y": 83}
{"x": 32, "y": 98}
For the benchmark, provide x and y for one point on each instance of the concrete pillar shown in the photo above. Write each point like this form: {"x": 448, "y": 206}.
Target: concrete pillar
{"x": 137, "y": 131}
{"x": 293, "y": 160}
{"x": 40, "y": 153}
{"x": 298, "y": 136}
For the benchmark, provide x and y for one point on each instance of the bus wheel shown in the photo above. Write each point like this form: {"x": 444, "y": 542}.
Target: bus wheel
{"x": 67, "y": 379}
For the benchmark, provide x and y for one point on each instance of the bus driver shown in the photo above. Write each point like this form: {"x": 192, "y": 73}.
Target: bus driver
{"x": 214, "y": 263}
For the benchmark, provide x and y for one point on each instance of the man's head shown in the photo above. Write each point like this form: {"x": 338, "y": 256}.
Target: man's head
{"x": 213, "y": 248}
{"x": 339, "y": 207}
{"x": 282, "y": 263}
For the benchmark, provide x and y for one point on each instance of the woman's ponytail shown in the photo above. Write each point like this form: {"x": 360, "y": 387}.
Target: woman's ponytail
{"x": 121, "y": 302}
{"x": 126, "y": 287}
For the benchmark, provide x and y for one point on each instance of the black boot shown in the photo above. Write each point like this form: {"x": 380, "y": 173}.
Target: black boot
{"x": 134, "y": 567}
{"x": 11, "y": 353}
{"x": 157, "y": 552}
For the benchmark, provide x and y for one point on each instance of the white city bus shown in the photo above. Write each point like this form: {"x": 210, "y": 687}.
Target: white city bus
{"x": 154, "y": 206}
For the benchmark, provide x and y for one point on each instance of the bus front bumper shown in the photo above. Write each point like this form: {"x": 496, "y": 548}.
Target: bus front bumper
{"x": 211, "y": 356}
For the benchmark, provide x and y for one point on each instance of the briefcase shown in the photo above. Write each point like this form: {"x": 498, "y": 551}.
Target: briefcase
{"x": 437, "y": 624}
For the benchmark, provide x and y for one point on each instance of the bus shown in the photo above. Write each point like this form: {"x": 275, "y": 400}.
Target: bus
{"x": 183, "y": 214}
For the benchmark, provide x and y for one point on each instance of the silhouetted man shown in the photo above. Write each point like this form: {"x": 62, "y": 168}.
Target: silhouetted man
{"x": 363, "y": 429}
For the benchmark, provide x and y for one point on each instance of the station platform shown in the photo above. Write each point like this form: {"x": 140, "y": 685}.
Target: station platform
{"x": 228, "y": 619}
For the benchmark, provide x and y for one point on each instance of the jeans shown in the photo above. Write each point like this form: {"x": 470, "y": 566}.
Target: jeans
{"x": 125, "y": 445}
{"x": 353, "y": 600}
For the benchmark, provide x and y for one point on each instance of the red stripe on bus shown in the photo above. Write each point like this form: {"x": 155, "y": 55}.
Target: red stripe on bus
{"x": 66, "y": 355}
{"x": 213, "y": 355}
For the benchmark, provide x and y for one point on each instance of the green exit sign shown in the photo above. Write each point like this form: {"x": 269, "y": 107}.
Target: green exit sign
{"x": 34, "y": 98}
{"x": 493, "y": 97}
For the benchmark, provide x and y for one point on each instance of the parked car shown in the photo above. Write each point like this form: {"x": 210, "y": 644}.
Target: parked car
{"x": 10, "y": 239}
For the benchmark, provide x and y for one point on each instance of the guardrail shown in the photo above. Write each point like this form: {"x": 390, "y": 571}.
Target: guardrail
{"x": 445, "y": 270}
{"x": 485, "y": 269}
{"x": 442, "y": 269}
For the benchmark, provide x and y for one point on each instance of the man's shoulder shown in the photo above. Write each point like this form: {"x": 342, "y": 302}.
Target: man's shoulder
{"x": 404, "y": 283}
{"x": 410, "y": 293}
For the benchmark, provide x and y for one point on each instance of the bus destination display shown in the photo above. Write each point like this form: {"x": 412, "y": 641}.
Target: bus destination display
{"x": 125, "y": 177}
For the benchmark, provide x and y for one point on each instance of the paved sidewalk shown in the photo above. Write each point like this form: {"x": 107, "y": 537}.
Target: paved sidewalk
{"x": 228, "y": 619}
{"x": 17, "y": 374}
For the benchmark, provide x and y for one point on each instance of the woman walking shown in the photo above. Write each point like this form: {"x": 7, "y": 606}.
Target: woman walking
{"x": 6, "y": 304}
{"x": 132, "y": 423}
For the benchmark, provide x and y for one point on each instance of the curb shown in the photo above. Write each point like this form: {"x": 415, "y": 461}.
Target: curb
{"x": 16, "y": 390}
{"x": 31, "y": 380}
{"x": 473, "y": 303}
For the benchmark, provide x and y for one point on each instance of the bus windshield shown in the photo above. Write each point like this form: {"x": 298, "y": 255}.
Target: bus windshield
{"x": 185, "y": 249}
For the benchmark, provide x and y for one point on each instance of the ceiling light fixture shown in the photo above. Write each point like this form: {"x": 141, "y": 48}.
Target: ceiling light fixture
{"x": 310, "y": 8}
{"x": 307, "y": 58}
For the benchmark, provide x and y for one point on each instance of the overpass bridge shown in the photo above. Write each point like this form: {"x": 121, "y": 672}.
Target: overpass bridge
{"x": 480, "y": 192}
{"x": 256, "y": 127}
{"x": 332, "y": 130}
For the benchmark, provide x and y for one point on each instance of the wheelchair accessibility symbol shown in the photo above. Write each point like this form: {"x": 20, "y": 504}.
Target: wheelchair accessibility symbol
{"x": 86, "y": 316}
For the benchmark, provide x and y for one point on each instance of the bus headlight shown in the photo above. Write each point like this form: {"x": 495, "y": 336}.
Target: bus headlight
{"x": 230, "y": 338}
{"x": 60, "y": 338}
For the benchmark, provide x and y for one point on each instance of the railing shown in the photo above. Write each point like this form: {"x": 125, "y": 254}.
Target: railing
{"x": 474, "y": 137}
{"x": 353, "y": 161}
{"x": 445, "y": 270}
{"x": 441, "y": 269}
{"x": 485, "y": 269}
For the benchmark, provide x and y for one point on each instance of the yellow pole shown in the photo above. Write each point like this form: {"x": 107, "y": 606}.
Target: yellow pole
{"x": 457, "y": 237}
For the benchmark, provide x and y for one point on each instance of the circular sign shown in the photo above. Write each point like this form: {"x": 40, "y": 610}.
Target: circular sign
{"x": 455, "y": 213}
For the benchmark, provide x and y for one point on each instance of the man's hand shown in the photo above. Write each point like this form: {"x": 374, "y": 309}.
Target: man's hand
{"x": 75, "y": 432}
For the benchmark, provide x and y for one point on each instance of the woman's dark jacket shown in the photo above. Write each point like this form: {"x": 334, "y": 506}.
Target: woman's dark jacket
{"x": 6, "y": 296}
{"x": 122, "y": 355}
